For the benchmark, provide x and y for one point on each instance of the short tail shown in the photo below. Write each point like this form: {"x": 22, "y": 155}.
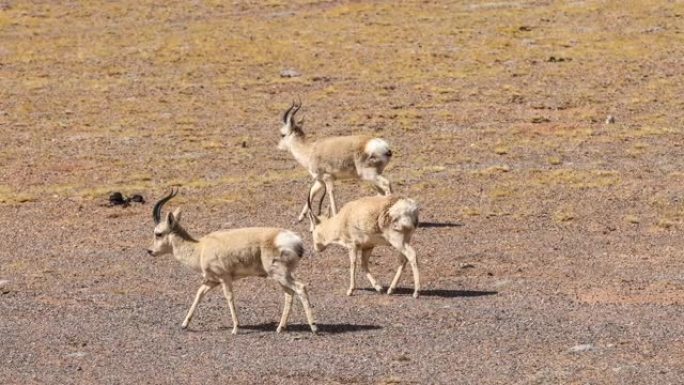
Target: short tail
{"x": 404, "y": 214}
{"x": 288, "y": 242}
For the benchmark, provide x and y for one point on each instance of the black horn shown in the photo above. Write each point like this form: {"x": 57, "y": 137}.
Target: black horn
{"x": 320, "y": 202}
{"x": 287, "y": 113}
{"x": 156, "y": 211}
{"x": 296, "y": 106}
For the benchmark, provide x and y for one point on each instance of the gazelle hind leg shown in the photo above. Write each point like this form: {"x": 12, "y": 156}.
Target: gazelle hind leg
{"x": 281, "y": 274}
{"x": 365, "y": 255}
{"x": 228, "y": 292}
{"x": 397, "y": 275}
{"x": 382, "y": 184}
{"x": 353, "y": 252}
{"x": 331, "y": 194}
{"x": 286, "y": 309}
{"x": 303, "y": 295}
{"x": 399, "y": 242}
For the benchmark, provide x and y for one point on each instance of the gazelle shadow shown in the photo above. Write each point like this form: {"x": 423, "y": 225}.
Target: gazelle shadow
{"x": 322, "y": 328}
{"x": 445, "y": 293}
{"x": 439, "y": 224}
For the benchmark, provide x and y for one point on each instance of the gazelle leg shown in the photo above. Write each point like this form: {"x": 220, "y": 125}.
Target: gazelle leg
{"x": 317, "y": 186}
{"x": 286, "y": 310}
{"x": 352, "y": 269}
{"x": 289, "y": 285}
{"x": 329, "y": 186}
{"x": 228, "y": 292}
{"x": 206, "y": 286}
{"x": 280, "y": 272}
{"x": 365, "y": 255}
{"x": 303, "y": 295}
{"x": 382, "y": 184}
{"x": 399, "y": 243}
{"x": 400, "y": 269}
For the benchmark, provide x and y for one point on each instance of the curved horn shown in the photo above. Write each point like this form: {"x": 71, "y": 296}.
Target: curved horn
{"x": 312, "y": 217}
{"x": 296, "y": 106}
{"x": 287, "y": 113}
{"x": 320, "y": 202}
{"x": 156, "y": 211}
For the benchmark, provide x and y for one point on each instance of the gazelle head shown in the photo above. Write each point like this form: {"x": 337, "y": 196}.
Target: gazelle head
{"x": 164, "y": 228}
{"x": 290, "y": 128}
{"x": 318, "y": 223}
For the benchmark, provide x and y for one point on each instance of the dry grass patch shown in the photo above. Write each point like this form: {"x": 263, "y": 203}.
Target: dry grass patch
{"x": 577, "y": 178}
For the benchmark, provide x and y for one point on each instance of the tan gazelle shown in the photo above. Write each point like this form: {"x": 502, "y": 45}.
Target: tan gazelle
{"x": 340, "y": 157}
{"x": 228, "y": 255}
{"x": 368, "y": 222}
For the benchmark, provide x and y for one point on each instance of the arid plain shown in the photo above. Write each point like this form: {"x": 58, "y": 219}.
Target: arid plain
{"x": 551, "y": 246}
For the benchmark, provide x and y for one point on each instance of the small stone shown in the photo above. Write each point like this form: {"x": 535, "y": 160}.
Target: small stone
{"x": 582, "y": 348}
{"x": 467, "y": 266}
{"x": 77, "y": 354}
{"x": 289, "y": 73}
{"x": 610, "y": 119}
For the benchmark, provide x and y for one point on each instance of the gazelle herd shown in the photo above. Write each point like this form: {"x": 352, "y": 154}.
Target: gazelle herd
{"x": 360, "y": 225}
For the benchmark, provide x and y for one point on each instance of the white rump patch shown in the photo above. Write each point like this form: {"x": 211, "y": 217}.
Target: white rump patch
{"x": 404, "y": 213}
{"x": 287, "y": 240}
{"x": 377, "y": 147}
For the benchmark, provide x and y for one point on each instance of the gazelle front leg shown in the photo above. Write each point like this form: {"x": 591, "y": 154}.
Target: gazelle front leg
{"x": 353, "y": 252}
{"x": 206, "y": 286}
{"x": 228, "y": 292}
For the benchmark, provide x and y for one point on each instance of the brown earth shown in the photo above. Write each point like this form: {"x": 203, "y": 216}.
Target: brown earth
{"x": 551, "y": 248}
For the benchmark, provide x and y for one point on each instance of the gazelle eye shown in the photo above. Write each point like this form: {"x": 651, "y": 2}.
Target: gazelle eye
{"x": 158, "y": 235}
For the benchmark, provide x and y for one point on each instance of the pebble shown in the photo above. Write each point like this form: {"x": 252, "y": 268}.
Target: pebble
{"x": 582, "y": 348}
{"x": 289, "y": 73}
{"x": 77, "y": 354}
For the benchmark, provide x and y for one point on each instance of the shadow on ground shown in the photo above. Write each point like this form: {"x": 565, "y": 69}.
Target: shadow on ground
{"x": 445, "y": 293}
{"x": 439, "y": 224}
{"x": 322, "y": 328}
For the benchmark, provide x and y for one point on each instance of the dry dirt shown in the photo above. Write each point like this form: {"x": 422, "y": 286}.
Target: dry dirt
{"x": 551, "y": 244}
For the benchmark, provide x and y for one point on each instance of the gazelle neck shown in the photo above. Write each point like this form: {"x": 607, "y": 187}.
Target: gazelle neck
{"x": 300, "y": 149}
{"x": 185, "y": 248}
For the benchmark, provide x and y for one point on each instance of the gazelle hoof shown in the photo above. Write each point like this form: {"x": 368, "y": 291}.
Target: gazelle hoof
{"x": 378, "y": 288}
{"x": 415, "y": 294}
{"x": 235, "y": 331}
{"x": 350, "y": 292}
{"x": 314, "y": 329}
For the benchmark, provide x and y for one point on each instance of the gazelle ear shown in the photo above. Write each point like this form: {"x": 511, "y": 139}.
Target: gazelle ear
{"x": 177, "y": 214}
{"x": 173, "y": 218}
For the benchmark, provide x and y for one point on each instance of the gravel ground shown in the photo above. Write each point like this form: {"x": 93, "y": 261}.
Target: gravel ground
{"x": 550, "y": 244}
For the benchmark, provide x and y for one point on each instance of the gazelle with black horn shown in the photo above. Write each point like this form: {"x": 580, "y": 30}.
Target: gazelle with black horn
{"x": 365, "y": 223}
{"x": 340, "y": 157}
{"x": 228, "y": 255}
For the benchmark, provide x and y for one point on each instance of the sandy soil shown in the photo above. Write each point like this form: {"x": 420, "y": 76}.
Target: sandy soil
{"x": 551, "y": 244}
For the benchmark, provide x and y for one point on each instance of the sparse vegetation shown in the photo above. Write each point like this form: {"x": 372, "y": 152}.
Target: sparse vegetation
{"x": 496, "y": 114}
